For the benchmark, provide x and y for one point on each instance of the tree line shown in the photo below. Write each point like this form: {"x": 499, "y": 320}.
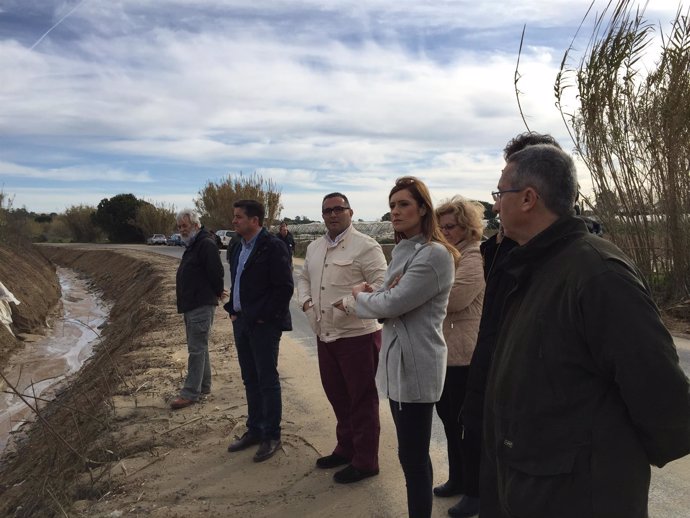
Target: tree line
{"x": 124, "y": 218}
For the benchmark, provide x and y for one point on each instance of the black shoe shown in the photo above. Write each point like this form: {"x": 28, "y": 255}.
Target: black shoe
{"x": 243, "y": 442}
{"x": 352, "y": 474}
{"x": 267, "y": 449}
{"x": 447, "y": 489}
{"x": 466, "y": 507}
{"x": 331, "y": 461}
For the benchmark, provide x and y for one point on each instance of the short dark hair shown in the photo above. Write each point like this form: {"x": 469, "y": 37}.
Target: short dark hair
{"x": 252, "y": 208}
{"x": 551, "y": 172}
{"x": 529, "y": 138}
{"x": 336, "y": 195}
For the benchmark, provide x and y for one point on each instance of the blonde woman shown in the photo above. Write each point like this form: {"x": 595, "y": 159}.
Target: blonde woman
{"x": 461, "y": 222}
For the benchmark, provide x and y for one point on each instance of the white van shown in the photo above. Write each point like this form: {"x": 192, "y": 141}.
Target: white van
{"x": 226, "y": 236}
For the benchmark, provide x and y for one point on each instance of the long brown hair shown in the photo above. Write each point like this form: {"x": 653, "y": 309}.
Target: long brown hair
{"x": 430, "y": 229}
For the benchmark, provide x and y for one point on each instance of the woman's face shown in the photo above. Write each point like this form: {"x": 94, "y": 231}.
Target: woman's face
{"x": 452, "y": 231}
{"x": 406, "y": 214}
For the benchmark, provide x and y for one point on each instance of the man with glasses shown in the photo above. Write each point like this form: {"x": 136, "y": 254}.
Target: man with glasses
{"x": 348, "y": 346}
{"x": 495, "y": 252}
{"x": 585, "y": 390}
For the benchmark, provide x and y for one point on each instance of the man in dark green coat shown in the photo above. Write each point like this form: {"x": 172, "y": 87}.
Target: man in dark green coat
{"x": 585, "y": 389}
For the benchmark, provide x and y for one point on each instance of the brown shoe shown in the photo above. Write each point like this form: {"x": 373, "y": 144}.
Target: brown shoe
{"x": 181, "y": 402}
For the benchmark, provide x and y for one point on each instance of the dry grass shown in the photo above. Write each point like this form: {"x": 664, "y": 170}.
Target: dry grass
{"x": 632, "y": 129}
{"x": 64, "y": 456}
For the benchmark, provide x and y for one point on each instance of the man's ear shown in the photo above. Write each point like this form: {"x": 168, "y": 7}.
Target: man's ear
{"x": 529, "y": 198}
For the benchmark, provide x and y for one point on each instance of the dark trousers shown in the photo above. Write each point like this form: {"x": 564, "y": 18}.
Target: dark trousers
{"x": 257, "y": 352}
{"x": 413, "y": 428}
{"x": 348, "y": 371}
{"x": 463, "y": 445}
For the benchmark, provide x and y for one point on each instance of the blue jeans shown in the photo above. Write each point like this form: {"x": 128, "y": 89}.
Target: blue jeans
{"x": 257, "y": 352}
{"x": 198, "y": 323}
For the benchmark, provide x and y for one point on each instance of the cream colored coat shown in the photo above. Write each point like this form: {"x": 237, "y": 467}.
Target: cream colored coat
{"x": 328, "y": 275}
{"x": 461, "y": 325}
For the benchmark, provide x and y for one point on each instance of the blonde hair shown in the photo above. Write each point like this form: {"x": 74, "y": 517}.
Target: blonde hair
{"x": 468, "y": 214}
{"x": 430, "y": 230}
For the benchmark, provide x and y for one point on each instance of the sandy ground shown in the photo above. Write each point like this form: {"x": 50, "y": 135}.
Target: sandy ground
{"x": 192, "y": 474}
{"x": 175, "y": 463}
{"x": 152, "y": 461}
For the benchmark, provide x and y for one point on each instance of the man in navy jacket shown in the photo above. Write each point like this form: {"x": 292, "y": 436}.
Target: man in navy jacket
{"x": 262, "y": 287}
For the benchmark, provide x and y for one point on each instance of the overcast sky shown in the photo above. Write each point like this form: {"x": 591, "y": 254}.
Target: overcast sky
{"x": 159, "y": 97}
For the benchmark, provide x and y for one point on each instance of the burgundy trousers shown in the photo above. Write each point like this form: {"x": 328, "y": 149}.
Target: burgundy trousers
{"x": 348, "y": 370}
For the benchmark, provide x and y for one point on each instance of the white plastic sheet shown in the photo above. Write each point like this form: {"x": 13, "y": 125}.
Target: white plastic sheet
{"x": 6, "y": 297}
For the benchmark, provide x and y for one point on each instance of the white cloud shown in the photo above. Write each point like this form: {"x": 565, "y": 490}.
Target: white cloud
{"x": 99, "y": 173}
{"x": 318, "y": 97}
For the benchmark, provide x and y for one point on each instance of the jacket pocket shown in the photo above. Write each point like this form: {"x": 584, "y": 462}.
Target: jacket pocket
{"x": 545, "y": 482}
{"x": 344, "y": 322}
{"x": 342, "y": 272}
{"x": 311, "y": 316}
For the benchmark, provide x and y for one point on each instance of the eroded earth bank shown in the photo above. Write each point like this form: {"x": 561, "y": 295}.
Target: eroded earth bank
{"x": 110, "y": 446}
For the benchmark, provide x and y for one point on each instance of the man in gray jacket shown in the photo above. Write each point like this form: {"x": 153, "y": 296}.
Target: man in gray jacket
{"x": 348, "y": 347}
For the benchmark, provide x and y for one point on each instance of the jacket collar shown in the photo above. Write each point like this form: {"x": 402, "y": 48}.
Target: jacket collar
{"x": 545, "y": 244}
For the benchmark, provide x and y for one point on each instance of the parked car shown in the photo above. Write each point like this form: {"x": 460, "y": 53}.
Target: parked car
{"x": 156, "y": 239}
{"x": 174, "y": 240}
{"x": 226, "y": 237}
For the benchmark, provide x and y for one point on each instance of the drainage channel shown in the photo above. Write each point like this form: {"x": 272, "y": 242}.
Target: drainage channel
{"x": 43, "y": 363}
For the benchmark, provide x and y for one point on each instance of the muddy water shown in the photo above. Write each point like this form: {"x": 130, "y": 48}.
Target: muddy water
{"x": 50, "y": 359}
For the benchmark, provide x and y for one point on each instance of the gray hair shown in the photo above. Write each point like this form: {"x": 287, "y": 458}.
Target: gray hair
{"x": 191, "y": 214}
{"x": 551, "y": 172}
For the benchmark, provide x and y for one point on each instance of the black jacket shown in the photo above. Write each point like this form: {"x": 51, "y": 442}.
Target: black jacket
{"x": 498, "y": 285}
{"x": 200, "y": 274}
{"x": 266, "y": 285}
{"x": 289, "y": 241}
{"x": 585, "y": 390}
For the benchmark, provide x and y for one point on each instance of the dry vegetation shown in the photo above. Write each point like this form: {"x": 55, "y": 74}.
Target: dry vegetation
{"x": 632, "y": 130}
{"x": 63, "y": 455}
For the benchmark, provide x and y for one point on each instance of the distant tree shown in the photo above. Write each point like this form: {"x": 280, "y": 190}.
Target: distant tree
{"x": 488, "y": 210}
{"x": 215, "y": 200}
{"x": 302, "y": 220}
{"x": 155, "y": 218}
{"x": 79, "y": 221}
{"x": 117, "y": 217}
{"x": 57, "y": 231}
{"x": 15, "y": 224}
{"x": 43, "y": 218}
{"x": 386, "y": 217}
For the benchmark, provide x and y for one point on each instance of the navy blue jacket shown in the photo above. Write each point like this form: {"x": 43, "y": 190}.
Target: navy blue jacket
{"x": 200, "y": 274}
{"x": 266, "y": 287}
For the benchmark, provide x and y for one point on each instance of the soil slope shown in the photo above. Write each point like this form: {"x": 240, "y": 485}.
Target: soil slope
{"x": 31, "y": 278}
{"x": 110, "y": 446}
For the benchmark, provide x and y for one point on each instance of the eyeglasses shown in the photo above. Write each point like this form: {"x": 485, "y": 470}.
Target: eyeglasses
{"x": 497, "y": 194}
{"x": 338, "y": 210}
{"x": 449, "y": 227}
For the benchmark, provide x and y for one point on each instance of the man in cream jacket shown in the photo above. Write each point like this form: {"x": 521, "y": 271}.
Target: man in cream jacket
{"x": 348, "y": 347}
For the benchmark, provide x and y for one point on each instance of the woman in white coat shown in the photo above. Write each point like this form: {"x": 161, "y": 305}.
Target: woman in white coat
{"x": 412, "y": 305}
